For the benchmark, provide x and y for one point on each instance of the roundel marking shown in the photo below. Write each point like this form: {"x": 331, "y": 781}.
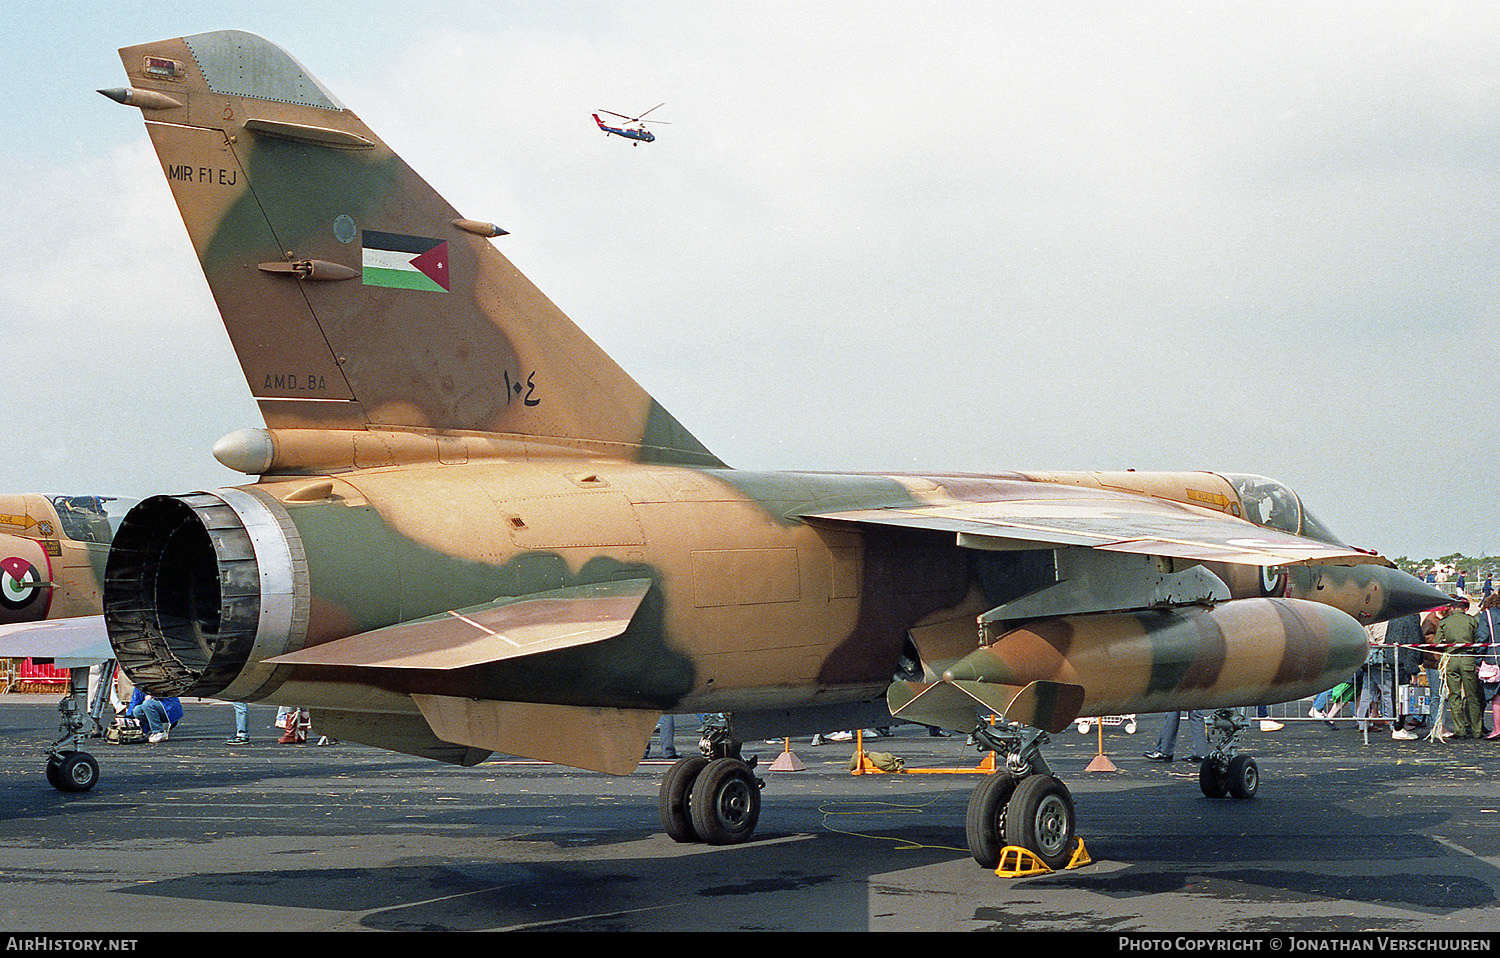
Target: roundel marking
{"x": 18, "y": 583}
{"x": 1272, "y": 580}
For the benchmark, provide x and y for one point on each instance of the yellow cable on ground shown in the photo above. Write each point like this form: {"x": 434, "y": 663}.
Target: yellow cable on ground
{"x": 884, "y": 808}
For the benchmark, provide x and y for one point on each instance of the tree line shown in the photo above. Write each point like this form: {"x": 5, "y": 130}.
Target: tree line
{"x": 1474, "y": 567}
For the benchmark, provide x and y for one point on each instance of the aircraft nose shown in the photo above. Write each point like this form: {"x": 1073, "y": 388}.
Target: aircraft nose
{"x": 1405, "y": 593}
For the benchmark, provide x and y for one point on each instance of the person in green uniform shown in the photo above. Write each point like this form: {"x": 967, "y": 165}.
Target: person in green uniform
{"x": 1460, "y": 673}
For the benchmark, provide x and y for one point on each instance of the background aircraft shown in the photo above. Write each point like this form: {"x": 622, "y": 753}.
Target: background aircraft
{"x": 638, "y": 132}
{"x": 471, "y": 531}
{"x": 52, "y": 558}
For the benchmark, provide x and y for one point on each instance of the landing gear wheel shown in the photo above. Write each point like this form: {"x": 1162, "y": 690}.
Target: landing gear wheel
{"x": 1213, "y": 778}
{"x": 985, "y": 822}
{"x": 1244, "y": 776}
{"x": 1039, "y": 818}
{"x": 724, "y": 803}
{"x": 74, "y": 772}
{"x": 673, "y": 798}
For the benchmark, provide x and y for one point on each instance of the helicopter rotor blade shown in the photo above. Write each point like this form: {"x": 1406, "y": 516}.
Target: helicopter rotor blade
{"x": 638, "y": 119}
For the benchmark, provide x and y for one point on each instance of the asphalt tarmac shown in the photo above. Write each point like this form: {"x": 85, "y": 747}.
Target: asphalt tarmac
{"x": 1346, "y": 835}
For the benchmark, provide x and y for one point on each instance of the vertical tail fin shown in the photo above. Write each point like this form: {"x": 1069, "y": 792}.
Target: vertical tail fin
{"x": 354, "y": 295}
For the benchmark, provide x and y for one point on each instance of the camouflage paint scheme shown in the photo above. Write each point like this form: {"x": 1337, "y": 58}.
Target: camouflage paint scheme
{"x": 450, "y": 447}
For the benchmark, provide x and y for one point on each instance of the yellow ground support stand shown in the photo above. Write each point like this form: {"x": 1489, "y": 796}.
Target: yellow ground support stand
{"x": 1017, "y": 862}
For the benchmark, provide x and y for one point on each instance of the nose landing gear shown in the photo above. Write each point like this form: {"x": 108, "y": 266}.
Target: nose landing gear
{"x": 1224, "y": 771}
{"x": 68, "y": 768}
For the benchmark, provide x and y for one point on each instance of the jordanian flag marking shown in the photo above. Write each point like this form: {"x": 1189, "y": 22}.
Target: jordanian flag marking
{"x": 398, "y": 261}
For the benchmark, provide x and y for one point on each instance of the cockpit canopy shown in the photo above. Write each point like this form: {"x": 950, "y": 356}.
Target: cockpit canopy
{"x": 1271, "y": 504}
{"x": 90, "y": 518}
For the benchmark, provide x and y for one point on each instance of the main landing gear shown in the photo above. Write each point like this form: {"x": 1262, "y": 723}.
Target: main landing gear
{"x": 712, "y": 798}
{"x": 1224, "y": 771}
{"x": 70, "y": 769}
{"x": 1023, "y": 804}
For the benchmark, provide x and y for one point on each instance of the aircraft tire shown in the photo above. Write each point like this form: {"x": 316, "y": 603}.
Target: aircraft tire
{"x": 1244, "y": 777}
{"x": 725, "y": 802}
{"x": 675, "y": 795}
{"x": 1213, "y": 779}
{"x": 1039, "y": 817}
{"x": 74, "y": 772}
{"x": 984, "y": 824}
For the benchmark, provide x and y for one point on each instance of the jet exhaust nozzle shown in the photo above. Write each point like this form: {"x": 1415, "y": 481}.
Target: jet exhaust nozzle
{"x": 201, "y": 587}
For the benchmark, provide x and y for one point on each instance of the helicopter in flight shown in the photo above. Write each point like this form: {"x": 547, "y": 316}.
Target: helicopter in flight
{"x": 638, "y": 133}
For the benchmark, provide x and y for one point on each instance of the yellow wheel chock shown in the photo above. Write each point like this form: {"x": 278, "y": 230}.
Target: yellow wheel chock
{"x": 1018, "y": 862}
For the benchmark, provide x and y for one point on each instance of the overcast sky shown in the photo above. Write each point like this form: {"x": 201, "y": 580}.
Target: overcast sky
{"x": 874, "y": 236}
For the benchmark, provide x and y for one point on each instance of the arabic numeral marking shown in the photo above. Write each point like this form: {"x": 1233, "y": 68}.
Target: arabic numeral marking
{"x": 525, "y": 390}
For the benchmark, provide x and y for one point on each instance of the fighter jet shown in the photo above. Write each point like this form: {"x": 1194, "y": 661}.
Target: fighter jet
{"x": 469, "y": 531}
{"x": 52, "y": 556}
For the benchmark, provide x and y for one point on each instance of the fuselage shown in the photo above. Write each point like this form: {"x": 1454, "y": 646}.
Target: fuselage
{"x": 644, "y": 136}
{"x": 753, "y": 607}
